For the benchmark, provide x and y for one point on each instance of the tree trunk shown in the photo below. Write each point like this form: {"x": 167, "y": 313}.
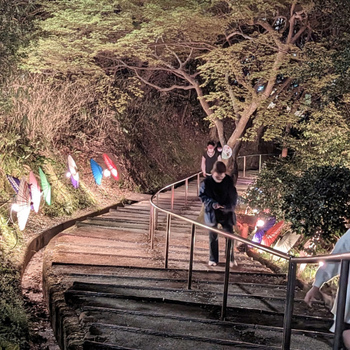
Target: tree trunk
{"x": 235, "y": 152}
{"x": 242, "y": 124}
{"x": 232, "y": 164}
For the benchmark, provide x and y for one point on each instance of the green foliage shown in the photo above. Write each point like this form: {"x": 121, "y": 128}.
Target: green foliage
{"x": 320, "y": 140}
{"x": 11, "y": 238}
{"x": 319, "y": 201}
{"x": 315, "y": 201}
{"x": 15, "y": 24}
{"x": 13, "y": 319}
{"x": 159, "y": 146}
{"x": 271, "y": 187}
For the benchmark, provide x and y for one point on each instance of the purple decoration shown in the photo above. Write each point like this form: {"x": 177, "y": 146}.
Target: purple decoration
{"x": 14, "y": 182}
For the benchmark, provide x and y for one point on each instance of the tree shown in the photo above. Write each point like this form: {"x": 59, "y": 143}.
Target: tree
{"x": 243, "y": 58}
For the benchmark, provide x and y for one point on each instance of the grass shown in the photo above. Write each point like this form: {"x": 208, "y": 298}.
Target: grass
{"x": 13, "y": 317}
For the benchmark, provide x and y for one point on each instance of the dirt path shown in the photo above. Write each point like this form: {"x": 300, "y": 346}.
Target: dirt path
{"x": 41, "y": 333}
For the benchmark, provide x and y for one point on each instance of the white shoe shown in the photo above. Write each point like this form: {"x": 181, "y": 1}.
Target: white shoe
{"x": 233, "y": 263}
{"x": 212, "y": 263}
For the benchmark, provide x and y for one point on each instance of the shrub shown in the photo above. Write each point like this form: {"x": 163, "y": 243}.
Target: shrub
{"x": 316, "y": 201}
{"x": 13, "y": 319}
{"x": 319, "y": 201}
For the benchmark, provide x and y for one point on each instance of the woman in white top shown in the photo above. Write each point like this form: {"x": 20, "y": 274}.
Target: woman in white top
{"x": 326, "y": 273}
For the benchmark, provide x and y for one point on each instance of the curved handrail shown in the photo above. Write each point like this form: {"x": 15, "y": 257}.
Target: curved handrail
{"x": 343, "y": 258}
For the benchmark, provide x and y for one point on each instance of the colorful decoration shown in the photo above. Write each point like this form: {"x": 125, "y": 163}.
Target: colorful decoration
{"x": 45, "y": 186}
{"x": 22, "y": 205}
{"x": 287, "y": 242}
{"x": 34, "y": 191}
{"x": 271, "y": 235}
{"x": 14, "y": 181}
{"x": 73, "y": 172}
{"x": 111, "y": 166}
{"x": 97, "y": 171}
{"x": 226, "y": 152}
{"x": 263, "y": 228}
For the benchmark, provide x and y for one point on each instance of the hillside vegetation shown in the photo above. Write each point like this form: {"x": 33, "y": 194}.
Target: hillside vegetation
{"x": 153, "y": 143}
{"x": 146, "y": 82}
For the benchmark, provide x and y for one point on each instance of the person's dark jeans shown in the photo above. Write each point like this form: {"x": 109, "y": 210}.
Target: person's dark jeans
{"x": 223, "y": 219}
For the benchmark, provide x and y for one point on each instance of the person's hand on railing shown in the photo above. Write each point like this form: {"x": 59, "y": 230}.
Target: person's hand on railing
{"x": 312, "y": 295}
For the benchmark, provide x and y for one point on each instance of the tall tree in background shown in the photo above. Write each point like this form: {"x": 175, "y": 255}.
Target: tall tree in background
{"x": 262, "y": 64}
{"x": 323, "y": 132}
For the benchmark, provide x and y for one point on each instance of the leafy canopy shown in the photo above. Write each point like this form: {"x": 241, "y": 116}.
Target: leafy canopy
{"x": 266, "y": 64}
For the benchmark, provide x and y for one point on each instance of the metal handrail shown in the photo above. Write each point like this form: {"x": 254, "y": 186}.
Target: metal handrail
{"x": 292, "y": 261}
{"x": 254, "y": 155}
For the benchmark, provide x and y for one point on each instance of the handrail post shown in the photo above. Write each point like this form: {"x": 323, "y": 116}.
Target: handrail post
{"x": 287, "y": 321}
{"x": 154, "y": 226}
{"x": 186, "y": 190}
{"x": 172, "y": 196}
{"x": 342, "y": 291}
{"x": 156, "y": 214}
{"x": 151, "y": 223}
{"x": 259, "y": 163}
{"x": 190, "y": 268}
{"x": 244, "y": 164}
{"x": 198, "y": 183}
{"x": 227, "y": 278}
{"x": 167, "y": 239}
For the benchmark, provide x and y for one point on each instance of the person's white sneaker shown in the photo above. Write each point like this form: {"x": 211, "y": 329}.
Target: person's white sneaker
{"x": 233, "y": 263}
{"x": 212, "y": 263}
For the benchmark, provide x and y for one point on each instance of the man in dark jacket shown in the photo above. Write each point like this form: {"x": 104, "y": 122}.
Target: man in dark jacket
{"x": 219, "y": 196}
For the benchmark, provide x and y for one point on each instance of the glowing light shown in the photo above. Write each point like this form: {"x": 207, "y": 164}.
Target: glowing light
{"x": 68, "y": 174}
{"x": 255, "y": 211}
{"x": 114, "y": 172}
{"x": 321, "y": 263}
{"x": 106, "y": 173}
{"x": 260, "y": 223}
{"x": 15, "y": 207}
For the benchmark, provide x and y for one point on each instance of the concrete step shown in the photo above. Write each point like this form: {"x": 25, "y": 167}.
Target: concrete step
{"x": 109, "y": 326}
{"x": 241, "y": 299}
{"x": 108, "y": 288}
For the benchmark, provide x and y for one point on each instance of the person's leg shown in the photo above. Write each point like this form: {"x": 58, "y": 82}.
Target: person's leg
{"x": 229, "y": 228}
{"x": 346, "y": 339}
{"x": 213, "y": 247}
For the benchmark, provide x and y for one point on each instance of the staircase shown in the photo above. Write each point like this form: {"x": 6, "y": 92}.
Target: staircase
{"x": 107, "y": 289}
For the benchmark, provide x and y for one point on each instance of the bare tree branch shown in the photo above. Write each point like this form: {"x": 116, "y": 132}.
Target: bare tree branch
{"x": 298, "y": 34}
{"x": 162, "y": 89}
{"x": 272, "y": 31}
{"x": 232, "y": 97}
{"x": 175, "y": 55}
{"x": 291, "y": 22}
{"x": 188, "y": 58}
{"x": 228, "y": 37}
{"x": 249, "y": 38}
